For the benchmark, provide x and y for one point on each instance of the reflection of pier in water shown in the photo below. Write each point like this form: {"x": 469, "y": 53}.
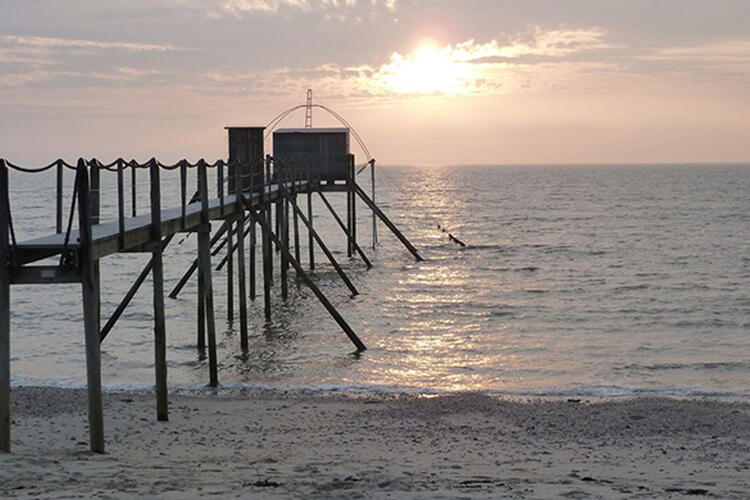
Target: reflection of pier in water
{"x": 267, "y": 201}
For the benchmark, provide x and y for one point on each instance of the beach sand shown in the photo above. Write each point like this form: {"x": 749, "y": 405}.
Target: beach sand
{"x": 294, "y": 444}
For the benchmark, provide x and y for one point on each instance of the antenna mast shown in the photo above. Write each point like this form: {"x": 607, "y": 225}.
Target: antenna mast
{"x": 308, "y": 109}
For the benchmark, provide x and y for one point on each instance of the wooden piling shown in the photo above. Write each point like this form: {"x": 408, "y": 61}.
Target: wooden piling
{"x": 204, "y": 257}
{"x": 266, "y": 236}
{"x": 201, "y": 341}
{"x": 296, "y": 231}
{"x": 352, "y": 205}
{"x": 160, "y": 331}
{"x": 95, "y": 200}
{"x": 310, "y": 246}
{"x": 241, "y": 258}
{"x": 251, "y": 260}
{"x": 91, "y": 329}
{"x": 4, "y": 310}
{"x": 284, "y": 228}
{"x": 374, "y": 217}
{"x": 230, "y": 272}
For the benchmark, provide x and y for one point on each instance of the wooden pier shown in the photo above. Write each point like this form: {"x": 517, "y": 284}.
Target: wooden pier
{"x": 259, "y": 194}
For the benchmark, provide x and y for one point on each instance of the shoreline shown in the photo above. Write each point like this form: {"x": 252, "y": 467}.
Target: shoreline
{"x": 290, "y": 444}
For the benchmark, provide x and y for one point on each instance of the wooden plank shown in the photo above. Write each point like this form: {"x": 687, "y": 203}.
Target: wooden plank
{"x": 4, "y": 310}
{"x": 44, "y": 275}
{"x": 91, "y": 330}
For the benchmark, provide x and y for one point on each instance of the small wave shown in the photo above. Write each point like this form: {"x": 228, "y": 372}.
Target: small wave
{"x": 727, "y": 365}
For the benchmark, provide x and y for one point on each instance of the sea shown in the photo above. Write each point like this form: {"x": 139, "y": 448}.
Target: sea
{"x": 575, "y": 280}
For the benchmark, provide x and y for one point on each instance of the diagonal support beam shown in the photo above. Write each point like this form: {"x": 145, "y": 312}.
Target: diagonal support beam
{"x": 131, "y": 293}
{"x": 194, "y": 266}
{"x": 323, "y": 247}
{"x": 343, "y": 228}
{"x": 387, "y": 222}
{"x": 309, "y": 282}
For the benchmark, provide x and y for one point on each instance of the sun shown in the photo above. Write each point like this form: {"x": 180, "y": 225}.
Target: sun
{"x": 427, "y": 70}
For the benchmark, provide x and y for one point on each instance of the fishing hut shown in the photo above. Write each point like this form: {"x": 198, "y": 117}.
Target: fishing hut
{"x": 255, "y": 193}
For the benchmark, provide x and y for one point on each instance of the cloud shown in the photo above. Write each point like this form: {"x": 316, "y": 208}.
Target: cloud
{"x": 55, "y": 43}
{"x": 239, "y": 8}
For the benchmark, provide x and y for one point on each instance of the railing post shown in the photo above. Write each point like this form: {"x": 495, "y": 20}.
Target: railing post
{"x": 90, "y": 319}
{"x": 160, "y": 332}
{"x": 374, "y": 217}
{"x": 59, "y": 211}
{"x": 133, "y": 186}
{"x": 239, "y": 198}
{"x": 4, "y": 310}
{"x": 183, "y": 194}
{"x": 121, "y": 203}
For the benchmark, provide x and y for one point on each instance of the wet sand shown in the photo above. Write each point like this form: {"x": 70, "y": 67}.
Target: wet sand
{"x": 277, "y": 444}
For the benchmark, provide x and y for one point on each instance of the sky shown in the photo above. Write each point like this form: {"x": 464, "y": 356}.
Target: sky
{"x": 422, "y": 81}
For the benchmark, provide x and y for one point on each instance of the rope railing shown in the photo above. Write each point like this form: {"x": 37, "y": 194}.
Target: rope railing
{"x": 254, "y": 176}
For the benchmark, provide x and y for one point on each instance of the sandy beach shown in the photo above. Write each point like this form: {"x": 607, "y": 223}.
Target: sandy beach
{"x": 290, "y": 444}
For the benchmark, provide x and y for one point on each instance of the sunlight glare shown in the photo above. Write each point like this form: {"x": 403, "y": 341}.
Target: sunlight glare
{"x": 427, "y": 70}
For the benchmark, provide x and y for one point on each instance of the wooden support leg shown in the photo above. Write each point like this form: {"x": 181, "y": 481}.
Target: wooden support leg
{"x": 251, "y": 262}
{"x": 310, "y": 246}
{"x": 241, "y": 282}
{"x": 201, "y": 343}
{"x": 91, "y": 329}
{"x": 296, "y": 233}
{"x": 230, "y": 274}
{"x": 160, "y": 329}
{"x": 349, "y": 225}
{"x": 285, "y": 242}
{"x": 267, "y": 259}
{"x": 204, "y": 257}
{"x": 279, "y": 208}
{"x": 204, "y": 263}
{"x": 4, "y": 312}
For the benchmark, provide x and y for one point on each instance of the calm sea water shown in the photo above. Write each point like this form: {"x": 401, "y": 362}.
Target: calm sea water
{"x": 591, "y": 280}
